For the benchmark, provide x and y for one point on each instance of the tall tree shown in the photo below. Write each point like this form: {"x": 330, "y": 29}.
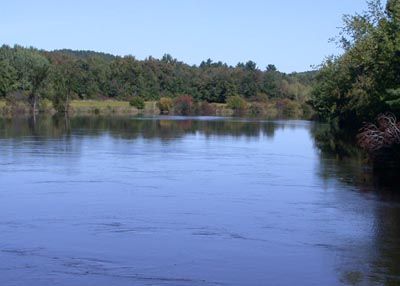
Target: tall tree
{"x": 359, "y": 84}
{"x": 32, "y": 70}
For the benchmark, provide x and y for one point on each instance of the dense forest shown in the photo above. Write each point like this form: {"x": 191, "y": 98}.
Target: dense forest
{"x": 365, "y": 80}
{"x": 63, "y": 75}
{"x": 362, "y": 86}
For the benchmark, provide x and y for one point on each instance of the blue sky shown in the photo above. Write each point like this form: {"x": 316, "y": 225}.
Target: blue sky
{"x": 292, "y": 34}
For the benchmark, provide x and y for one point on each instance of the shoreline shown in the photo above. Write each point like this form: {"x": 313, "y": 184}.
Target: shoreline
{"x": 20, "y": 108}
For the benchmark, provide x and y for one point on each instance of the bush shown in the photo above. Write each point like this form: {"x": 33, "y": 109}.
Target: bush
{"x": 271, "y": 111}
{"x": 308, "y": 112}
{"x": 205, "y": 108}
{"x": 137, "y": 102}
{"x": 257, "y": 109}
{"x": 60, "y": 102}
{"x": 260, "y": 97}
{"x": 16, "y": 103}
{"x": 288, "y": 108}
{"x": 183, "y": 105}
{"x": 165, "y": 104}
{"x": 237, "y": 104}
{"x": 45, "y": 106}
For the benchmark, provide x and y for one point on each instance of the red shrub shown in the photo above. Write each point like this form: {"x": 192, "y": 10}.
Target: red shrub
{"x": 183, "y": 105}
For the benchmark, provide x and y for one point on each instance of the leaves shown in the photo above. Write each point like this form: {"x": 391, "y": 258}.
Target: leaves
{"x": 64, "y": 75}
{"x": 354, "y": 87}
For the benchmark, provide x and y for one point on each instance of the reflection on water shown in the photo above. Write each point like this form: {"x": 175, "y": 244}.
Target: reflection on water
{"x": 164, "y": 128}
{"x": 191, "y": 201}
{"x": 351, "y": 164}
{"x": 342, "y": 161}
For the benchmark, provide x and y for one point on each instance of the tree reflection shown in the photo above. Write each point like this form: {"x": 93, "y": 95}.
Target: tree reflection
{"x": 163, "y": 128}
{"x": 340, "y": 159}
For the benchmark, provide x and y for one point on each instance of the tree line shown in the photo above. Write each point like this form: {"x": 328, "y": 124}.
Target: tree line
{"x": 62, "y": 75}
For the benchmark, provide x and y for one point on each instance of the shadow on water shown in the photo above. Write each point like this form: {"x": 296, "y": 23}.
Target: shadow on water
{"x": 341, "y": 159}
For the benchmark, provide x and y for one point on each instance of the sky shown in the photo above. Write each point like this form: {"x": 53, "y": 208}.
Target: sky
{"x": 292, "y": 34}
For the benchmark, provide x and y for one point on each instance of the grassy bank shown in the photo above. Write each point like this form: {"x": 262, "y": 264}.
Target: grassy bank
{"x": 109, "y": 107}
{"x": 266, "y": 110}
{"x": 79, "y": 107}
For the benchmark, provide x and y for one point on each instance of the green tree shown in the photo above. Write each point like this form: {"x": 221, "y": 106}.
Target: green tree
{"x": 359, "y": 84}
{"x": 237, "y": 104}
{"x": 63, "y": 77}
{"x": 137, "y": 102}
{"x": 7, "y": 78}
{"x": 32, "y": 70}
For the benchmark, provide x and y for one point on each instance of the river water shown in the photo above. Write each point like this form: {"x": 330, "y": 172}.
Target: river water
{"x": 190, "y": 201}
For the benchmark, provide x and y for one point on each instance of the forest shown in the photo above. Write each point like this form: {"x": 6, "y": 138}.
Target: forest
{"x": 63, "y": 75}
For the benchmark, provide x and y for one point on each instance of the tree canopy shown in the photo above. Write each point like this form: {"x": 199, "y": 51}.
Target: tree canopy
{"x": 365, "y": 80}
{"x": 63, "y": 74}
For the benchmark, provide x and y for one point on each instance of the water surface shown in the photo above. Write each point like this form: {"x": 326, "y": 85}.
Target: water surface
{"x": 190, "y": 201}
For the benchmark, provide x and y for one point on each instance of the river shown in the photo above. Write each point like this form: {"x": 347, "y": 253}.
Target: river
{"x": 190, "y": 201}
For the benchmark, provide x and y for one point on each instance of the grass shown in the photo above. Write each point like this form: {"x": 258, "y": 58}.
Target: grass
{"x": 99, "y": 107}
{"x": 98, "y": 104}
{"x": 107, "y": 107}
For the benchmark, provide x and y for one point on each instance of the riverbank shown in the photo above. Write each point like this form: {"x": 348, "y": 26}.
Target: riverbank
{"x": 95, "y": 107}
{"x": 270, "y": 110}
